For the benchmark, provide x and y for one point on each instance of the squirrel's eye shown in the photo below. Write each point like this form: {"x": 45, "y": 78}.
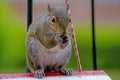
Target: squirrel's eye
{"x": 53, "y": 20}
{"x": 70, "y": 20}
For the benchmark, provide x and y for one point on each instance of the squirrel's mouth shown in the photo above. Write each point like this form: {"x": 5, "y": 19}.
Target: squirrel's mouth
{"x": 64, "y": 39}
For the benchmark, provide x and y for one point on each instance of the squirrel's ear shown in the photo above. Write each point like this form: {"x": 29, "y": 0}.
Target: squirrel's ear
{"x": 49, "y": 8}
{"x": 67, "y": 7}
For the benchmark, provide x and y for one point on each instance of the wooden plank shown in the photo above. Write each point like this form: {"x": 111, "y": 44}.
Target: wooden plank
{"x": 78, "y": 77}
{"x": 100, "y": 74}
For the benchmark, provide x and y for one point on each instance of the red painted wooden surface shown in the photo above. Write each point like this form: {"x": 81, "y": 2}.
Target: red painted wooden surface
{"x": 15, "y": 75}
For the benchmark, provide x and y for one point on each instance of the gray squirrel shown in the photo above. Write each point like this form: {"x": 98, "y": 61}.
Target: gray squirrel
{"x": 48, "y": 45}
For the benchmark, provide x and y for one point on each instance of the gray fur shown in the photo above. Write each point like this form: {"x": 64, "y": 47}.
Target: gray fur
{"x": 45, "y": 50}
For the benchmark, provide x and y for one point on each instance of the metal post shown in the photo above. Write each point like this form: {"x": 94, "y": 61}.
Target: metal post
{"x": 29, "y": 19}
{"x": 93, "y": 36}
{"x": 29, "y": 12}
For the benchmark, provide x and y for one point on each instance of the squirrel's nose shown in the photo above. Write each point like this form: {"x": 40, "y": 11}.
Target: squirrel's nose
{"x": 64, "y": 38}
{"x": 63, "y": 33}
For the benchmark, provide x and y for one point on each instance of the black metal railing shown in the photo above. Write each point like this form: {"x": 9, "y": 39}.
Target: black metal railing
{"x": 29, "y": 12}
{"x": 93, "y": 35}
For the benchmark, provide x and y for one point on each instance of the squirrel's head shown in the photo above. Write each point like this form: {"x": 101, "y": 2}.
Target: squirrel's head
{"x": 59, "y": 20}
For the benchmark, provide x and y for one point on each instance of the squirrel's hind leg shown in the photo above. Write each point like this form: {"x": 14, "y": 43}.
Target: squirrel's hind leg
{"x": 39, "y": 73}
{"x": 37, "y": 70}
{"x": 36, "y": 66}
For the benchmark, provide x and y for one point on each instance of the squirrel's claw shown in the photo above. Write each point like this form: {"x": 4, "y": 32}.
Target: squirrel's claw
{"x": 39, "y": 74}
{"x": 67, "y": 72}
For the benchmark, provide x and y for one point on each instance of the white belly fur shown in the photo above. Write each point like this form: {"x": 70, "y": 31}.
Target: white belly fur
{"x": 55, "y": 55}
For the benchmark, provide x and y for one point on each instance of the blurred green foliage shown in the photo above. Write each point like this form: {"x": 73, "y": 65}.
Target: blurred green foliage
{"x": 107, "y": 43}
{"x": 12, "y": 40}
{"x": 12, "y": 44}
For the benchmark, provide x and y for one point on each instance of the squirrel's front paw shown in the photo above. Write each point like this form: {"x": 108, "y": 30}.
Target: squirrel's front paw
{"x": 58, "y": 39}
{"x": 62, "y": 40}
{"x": 39, "y": 74}
{"x": 67, "y": 72}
